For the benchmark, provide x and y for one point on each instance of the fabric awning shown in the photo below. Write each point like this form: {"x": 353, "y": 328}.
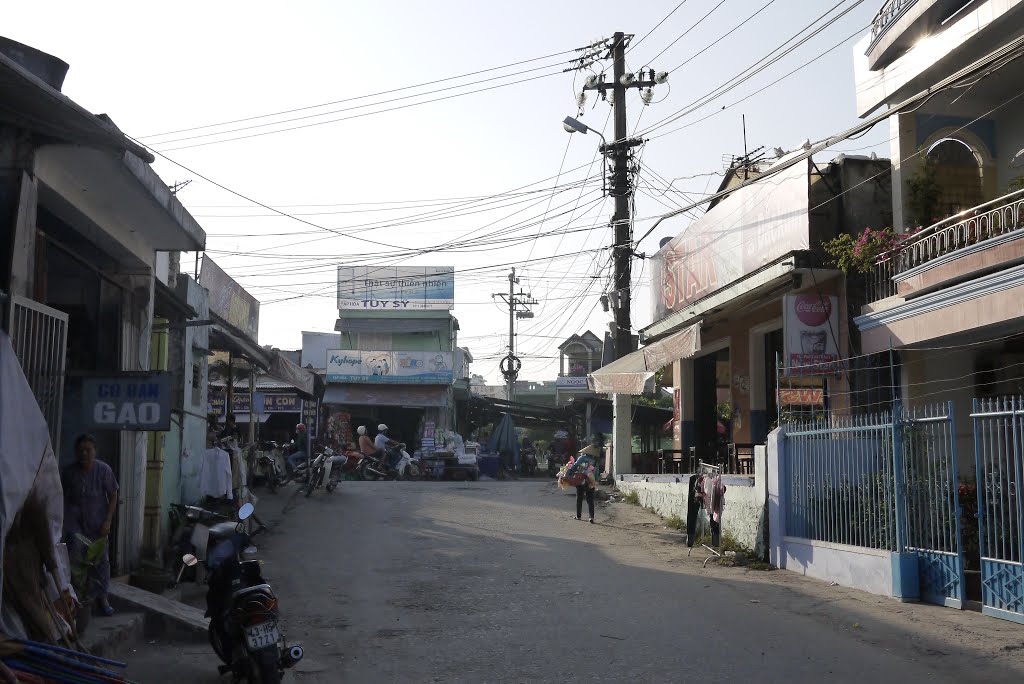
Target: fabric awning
{"x": 629, "y": 374}
{"x": 295, "y": 376}
{"x": 387, "y": 395}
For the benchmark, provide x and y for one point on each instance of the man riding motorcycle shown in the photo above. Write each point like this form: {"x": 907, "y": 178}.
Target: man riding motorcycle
{"x": 366, "y": 447}
{"x": 387, "y": 446}
{"x": 299, "y": 455}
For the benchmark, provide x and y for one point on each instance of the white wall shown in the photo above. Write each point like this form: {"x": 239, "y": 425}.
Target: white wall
{"x": 744, "y": 512}
{"x": 315, "y": 346}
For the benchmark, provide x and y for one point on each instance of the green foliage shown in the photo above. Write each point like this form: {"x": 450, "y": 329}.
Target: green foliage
{"x": 660, "y": 401}
{"x": 860, "y": 255}
{"x": 632, "y": 497}
{"x": 923, "y": 194}
{"x": 94, "y": 551}
{"x": 675, "y": 522}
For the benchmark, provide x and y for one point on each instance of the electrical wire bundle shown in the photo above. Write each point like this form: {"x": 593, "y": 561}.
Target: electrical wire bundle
{"x": 32, "y": 661}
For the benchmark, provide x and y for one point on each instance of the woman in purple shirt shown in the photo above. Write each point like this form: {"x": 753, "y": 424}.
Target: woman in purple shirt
{"x": 90, "y": 499}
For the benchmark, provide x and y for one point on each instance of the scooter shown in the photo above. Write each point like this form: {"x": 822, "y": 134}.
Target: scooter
{"x": 242, "y": 607}
{"x": 375, "y": 468}
{"x": 324, "y": 464}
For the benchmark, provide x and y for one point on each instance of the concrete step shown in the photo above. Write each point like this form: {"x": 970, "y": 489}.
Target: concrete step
{"x": 107, "y": 637}
{"x": 163, "y": 616}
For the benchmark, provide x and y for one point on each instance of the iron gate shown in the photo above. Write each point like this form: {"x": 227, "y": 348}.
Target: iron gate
{"x": 998, "y": 435}
{"x": 930, "y": 517}
{"x": 39, "y": 335}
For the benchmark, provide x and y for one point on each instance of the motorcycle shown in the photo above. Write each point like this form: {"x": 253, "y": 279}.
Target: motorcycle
{"x": 528, "y": 462}
{"x": 242, "y": 607}
{"x": 325, "y": 463}
{"x": 376, "y": 468}
{"x": 189, "y": 529}
{"x": 267, "y": 467}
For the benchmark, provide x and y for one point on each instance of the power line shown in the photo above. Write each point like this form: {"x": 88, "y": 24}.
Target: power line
{"x": 361, "y": 97}
{"x": 656, "y": 26}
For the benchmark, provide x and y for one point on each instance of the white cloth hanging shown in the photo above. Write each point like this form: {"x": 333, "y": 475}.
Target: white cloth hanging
{"x": 215, "y": 473}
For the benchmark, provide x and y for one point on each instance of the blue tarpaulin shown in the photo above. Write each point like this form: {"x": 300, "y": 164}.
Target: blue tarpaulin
{"x": 503, "y": 439}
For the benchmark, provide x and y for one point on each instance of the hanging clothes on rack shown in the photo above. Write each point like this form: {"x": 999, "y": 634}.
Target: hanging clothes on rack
{"x": 215, "y": 474}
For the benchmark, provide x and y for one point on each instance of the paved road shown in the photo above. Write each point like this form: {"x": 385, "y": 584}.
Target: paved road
{"x": 496, "y": 582}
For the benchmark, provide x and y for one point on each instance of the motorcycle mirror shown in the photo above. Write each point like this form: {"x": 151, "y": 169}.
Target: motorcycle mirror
{"x": 189, "y": 560}
{"x": 246, "y": 511}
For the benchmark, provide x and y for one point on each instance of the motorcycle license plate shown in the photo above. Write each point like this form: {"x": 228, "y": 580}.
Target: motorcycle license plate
{"x": 262, "y": 635}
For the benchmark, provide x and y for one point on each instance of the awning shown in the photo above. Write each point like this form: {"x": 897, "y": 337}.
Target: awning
{"x": 284, "y": 370}
{"x": 391, "y": 325}
{"x": 629, "y": 374}
{"x": 416, "y": 396}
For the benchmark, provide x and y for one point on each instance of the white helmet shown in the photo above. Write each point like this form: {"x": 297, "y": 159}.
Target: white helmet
{"x": 382, "y": 427}
{"x": 361, "y": 430}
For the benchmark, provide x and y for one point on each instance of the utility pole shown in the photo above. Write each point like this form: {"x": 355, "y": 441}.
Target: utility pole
{"x": 518, "y": 307}
{"x": 621, "y": 186}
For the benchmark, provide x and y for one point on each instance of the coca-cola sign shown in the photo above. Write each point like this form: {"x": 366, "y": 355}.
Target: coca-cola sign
{"x": 813, "y": 310}
{"x": 811, "y": 331}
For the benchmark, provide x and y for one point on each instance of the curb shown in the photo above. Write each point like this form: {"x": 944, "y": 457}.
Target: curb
{"x": 161, "y": 613}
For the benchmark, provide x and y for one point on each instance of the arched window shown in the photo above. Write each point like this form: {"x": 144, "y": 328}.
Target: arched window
{"x": 958, "y": 169}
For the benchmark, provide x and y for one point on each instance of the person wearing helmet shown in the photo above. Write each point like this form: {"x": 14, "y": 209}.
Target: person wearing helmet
{"x": 366, "y": 447}
{"x": 299, "y": 455}
{"x": 385, "y": 445}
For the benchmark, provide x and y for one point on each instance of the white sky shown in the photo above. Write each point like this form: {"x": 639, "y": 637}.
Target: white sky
{"x": 159, "y": 67}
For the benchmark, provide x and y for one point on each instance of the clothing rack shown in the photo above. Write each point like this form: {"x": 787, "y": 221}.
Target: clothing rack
{"x": 707, "y": 469}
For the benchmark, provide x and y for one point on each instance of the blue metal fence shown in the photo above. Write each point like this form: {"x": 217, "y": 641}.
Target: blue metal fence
{"x": 882, "y": 481}
{"x": 998, "y": 435}
{"x": 840, "y": 482}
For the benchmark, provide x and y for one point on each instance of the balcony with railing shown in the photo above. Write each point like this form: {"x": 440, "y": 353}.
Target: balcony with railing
{"x": 977, "y": 240}
{"x": 899, "y": 24}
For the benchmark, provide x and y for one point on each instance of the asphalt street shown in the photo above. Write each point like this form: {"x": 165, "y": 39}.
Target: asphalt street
{"x": 497, "y": 582}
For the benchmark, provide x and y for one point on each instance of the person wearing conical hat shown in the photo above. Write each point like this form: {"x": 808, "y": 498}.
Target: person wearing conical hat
{"x": 585, "y": 465}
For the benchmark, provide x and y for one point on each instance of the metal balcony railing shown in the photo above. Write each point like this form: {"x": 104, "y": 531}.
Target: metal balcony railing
{"x": 890, "y": 11}
{"x": 972, "y": 226}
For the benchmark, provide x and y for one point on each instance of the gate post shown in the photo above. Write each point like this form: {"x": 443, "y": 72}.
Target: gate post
{"x": 906, "y": 583}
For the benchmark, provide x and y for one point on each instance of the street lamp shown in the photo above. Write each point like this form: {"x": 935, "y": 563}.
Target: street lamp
{"x": 571, "y": 125}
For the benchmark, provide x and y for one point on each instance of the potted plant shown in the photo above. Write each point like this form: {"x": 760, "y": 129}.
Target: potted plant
{"x": 81, "y": 580}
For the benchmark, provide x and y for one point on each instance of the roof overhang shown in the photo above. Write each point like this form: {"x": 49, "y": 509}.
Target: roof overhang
{"x": 122, "y": 195}
{"x": 29, "y": 102}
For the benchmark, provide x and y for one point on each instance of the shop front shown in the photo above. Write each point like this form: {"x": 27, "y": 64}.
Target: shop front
{"x": 410, "y": 392}
{"x": 772, "y": 314}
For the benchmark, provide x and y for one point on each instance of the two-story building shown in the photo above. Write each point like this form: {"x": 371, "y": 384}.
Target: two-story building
{"x": 958, "y": 193}
{"x": 397, "y": 358}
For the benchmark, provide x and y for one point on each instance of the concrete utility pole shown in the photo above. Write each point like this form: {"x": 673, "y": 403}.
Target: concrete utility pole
{"x": 622, "y": 190}
{"x": 621, "y": 185}
{"x": 518, "y": 307}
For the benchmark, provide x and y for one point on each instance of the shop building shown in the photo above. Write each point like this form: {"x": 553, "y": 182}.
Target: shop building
{"x": 86, "y": 219}
{"x": 731, "y": 287}
{"x": 398, "y": 357}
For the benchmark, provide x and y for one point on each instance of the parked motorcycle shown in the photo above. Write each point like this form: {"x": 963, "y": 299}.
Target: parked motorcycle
{"x": 242, "y": 607}
{"x": 375, "y": 468}
{"x": 189, "y": 528}
{"x": 267, "y": 467}
{"x": 528, "y": 462}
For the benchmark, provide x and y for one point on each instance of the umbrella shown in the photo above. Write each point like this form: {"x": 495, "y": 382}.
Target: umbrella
{"x": 504, "y": 439}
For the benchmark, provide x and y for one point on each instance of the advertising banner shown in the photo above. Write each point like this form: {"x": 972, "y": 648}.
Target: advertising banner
{"x": 802, "y": 396}
{"x": 746, "y": 231}
{"x": 572, "y": 383}
{"x": 229, "y": 300}
{"x": 241, "y": 402}
{"x": 389, "y": 367}
{"x": 139, "y": 402}
{"x": 811, "y": 324}
{"x": 396, "y": 288}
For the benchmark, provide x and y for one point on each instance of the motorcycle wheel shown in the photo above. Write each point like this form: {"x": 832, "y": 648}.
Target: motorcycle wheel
{"x": 314, "y": 482}
{"x": 331, "y": 486}
{"x": 263, "y": 673}
{"x": 216, "y": 645}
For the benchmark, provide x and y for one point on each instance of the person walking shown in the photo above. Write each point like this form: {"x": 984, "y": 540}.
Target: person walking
{"x": 581, "y": 472}
{"x": 90, "y": 499}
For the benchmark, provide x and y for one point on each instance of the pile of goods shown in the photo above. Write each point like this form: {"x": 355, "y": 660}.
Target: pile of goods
{"x": 22, "y": 660}
{"x": 578, "y": 471}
